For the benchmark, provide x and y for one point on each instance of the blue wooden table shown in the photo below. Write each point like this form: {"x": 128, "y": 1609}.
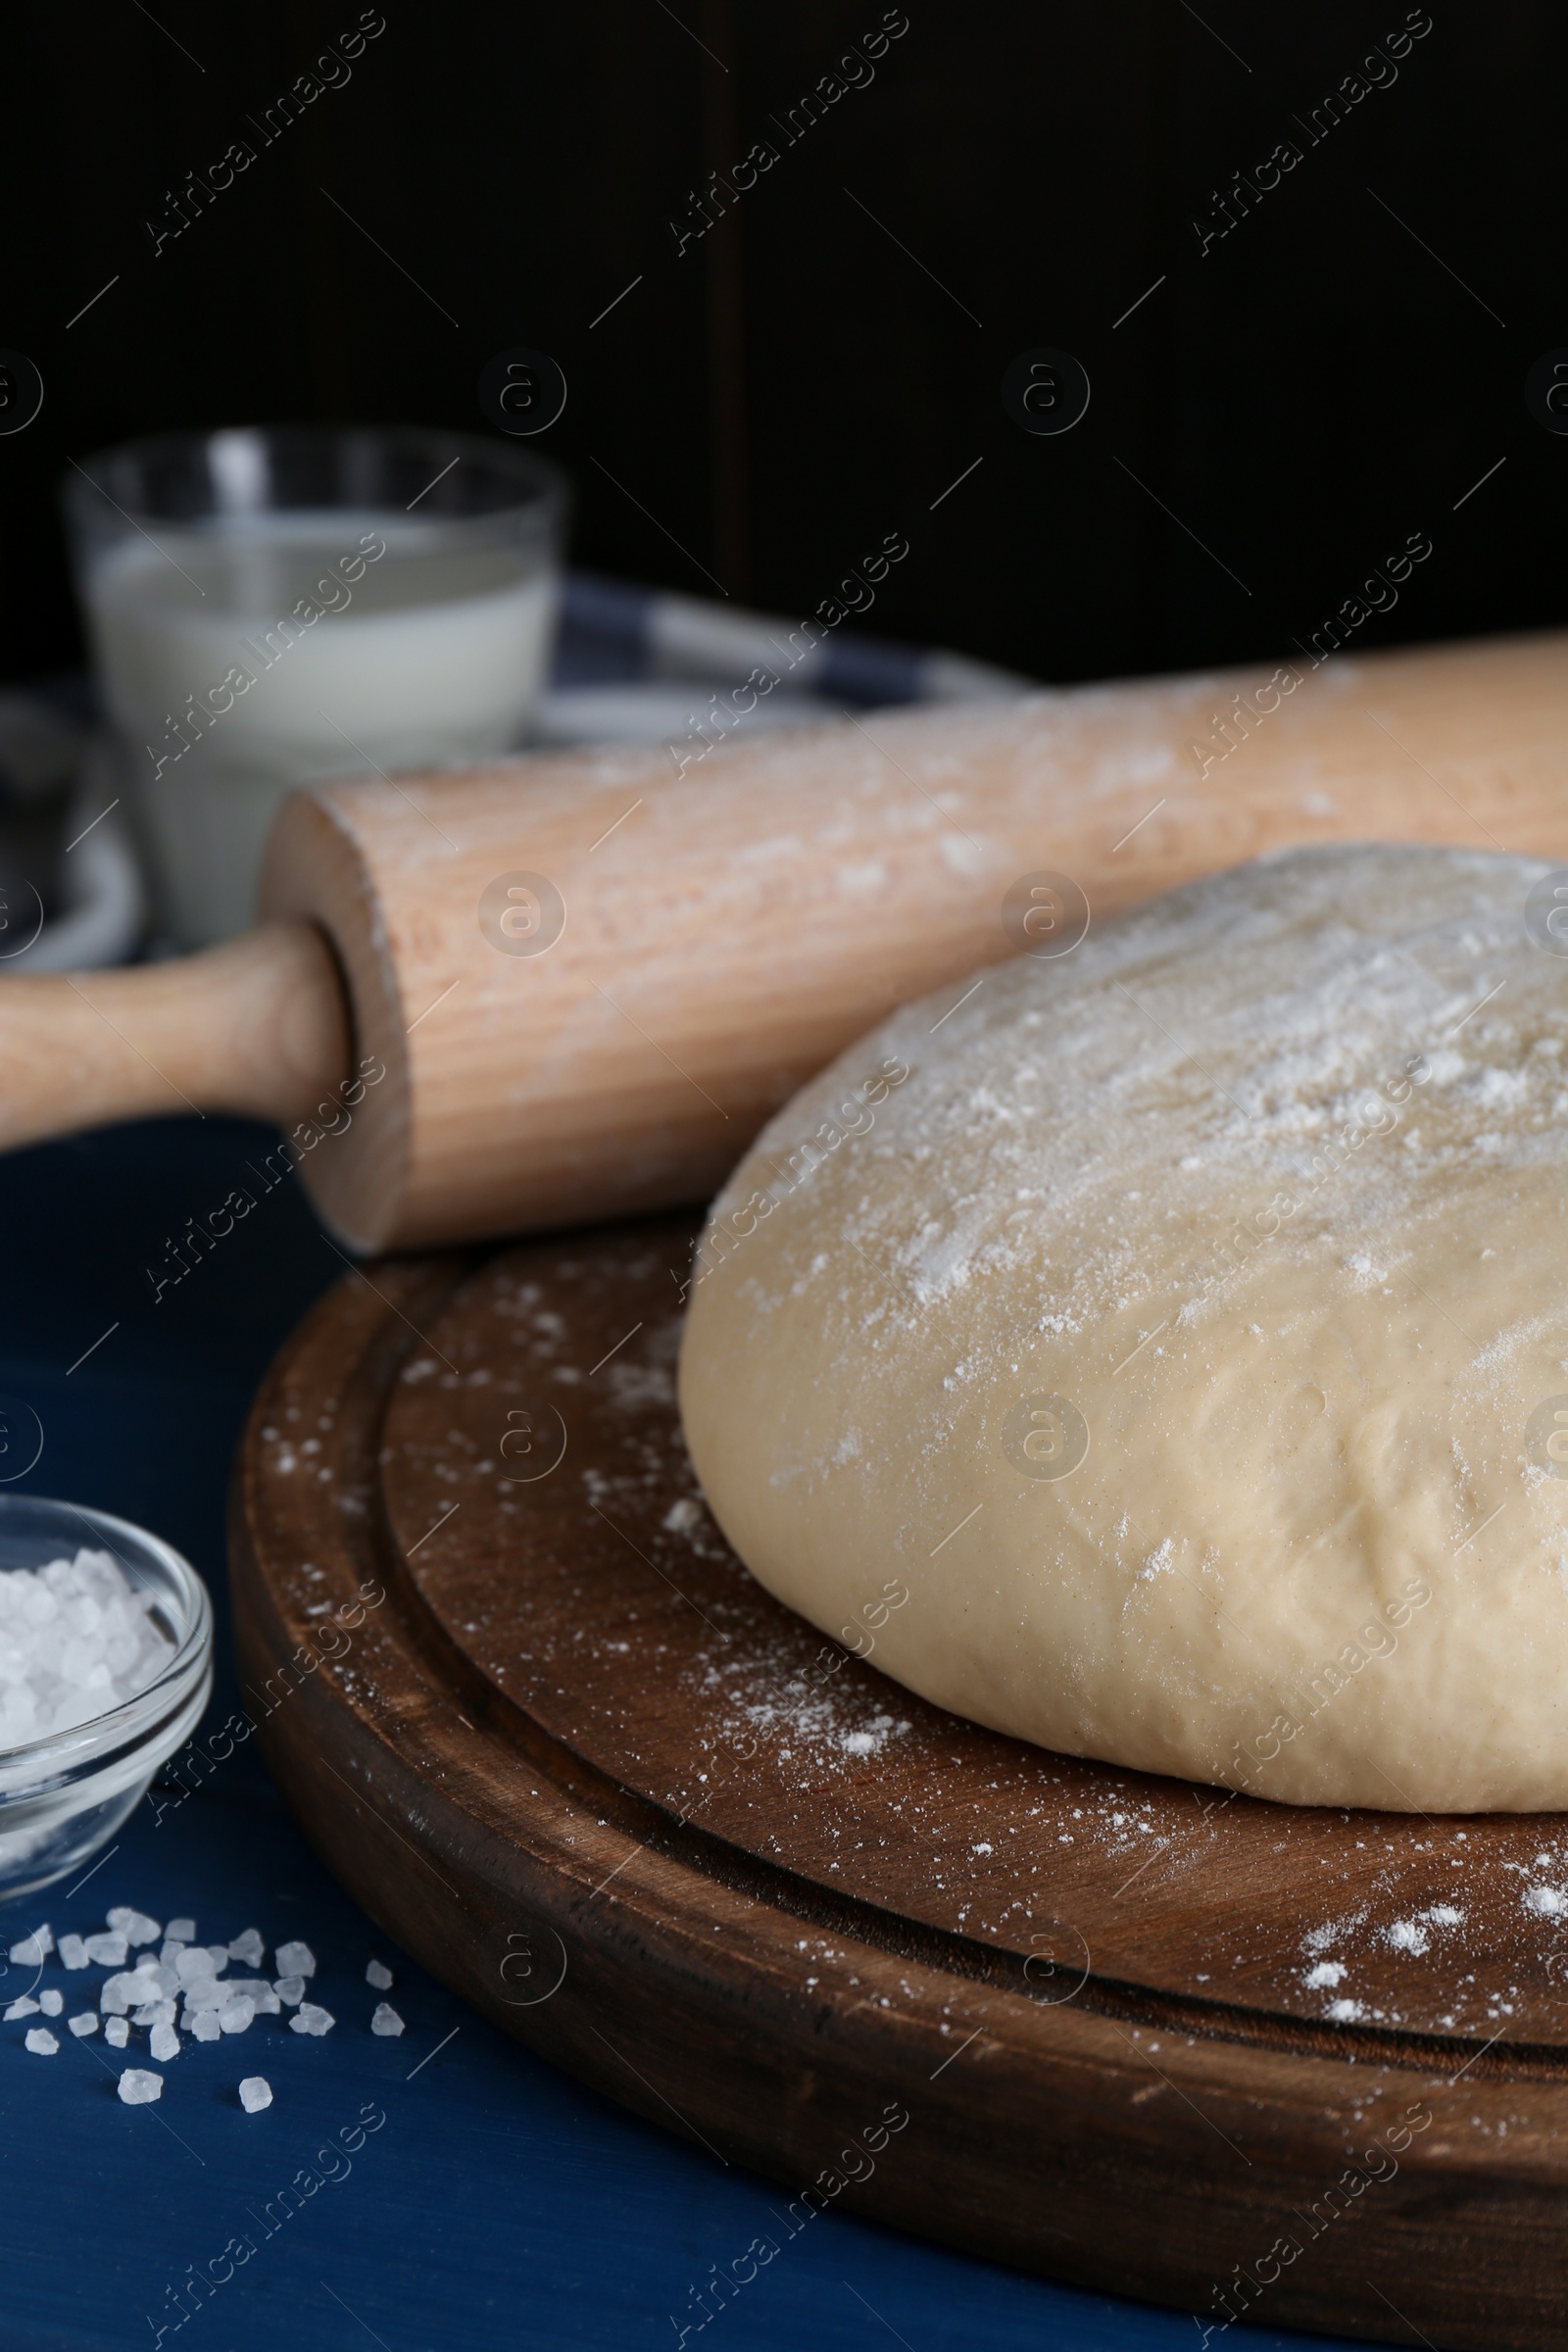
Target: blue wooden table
{"x": 447, "y": 2188}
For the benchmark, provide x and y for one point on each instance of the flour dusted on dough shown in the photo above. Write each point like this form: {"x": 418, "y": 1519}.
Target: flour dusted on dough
{"x": 1184, "y": 1322}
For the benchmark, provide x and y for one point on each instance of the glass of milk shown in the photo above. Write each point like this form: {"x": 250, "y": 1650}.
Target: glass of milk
{"x": 278, "y": 603}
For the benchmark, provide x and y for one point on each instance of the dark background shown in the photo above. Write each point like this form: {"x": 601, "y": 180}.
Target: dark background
{"x": 1303, "y": 397}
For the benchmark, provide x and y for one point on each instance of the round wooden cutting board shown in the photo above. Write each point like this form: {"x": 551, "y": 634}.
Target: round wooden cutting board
{"x": 1304, "y": 2068}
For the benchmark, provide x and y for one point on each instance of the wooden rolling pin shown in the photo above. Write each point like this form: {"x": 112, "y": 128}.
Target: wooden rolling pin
{"x": 585, "y": 980}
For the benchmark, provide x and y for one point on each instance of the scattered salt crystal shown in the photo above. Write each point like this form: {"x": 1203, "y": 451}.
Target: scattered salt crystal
{"x": 51, "y": 2002}
{"x": 129, "y": 1988}
{"x": 136, "y": 1926}
{"x": 377, "y": 1973}
{"x": 310, "y": 2018}
{"x": 295, "y": 1960}
{"x": 168, "y": 1950}
{"x": 235, "y": 2016}
{"x": 254, "y": 1990}
{"x": 386, "y": 2019}
{"x": 24, "y": 2007}
{"x": 218, "y": 1954}
{"x": 105, "y": 1950}
{"x": 184, "y": 1931}
{"x": 74, "y": 1953}
{"x": 1548, "y": 1902}
{"x": 86, "y": 2022}
{"x": 290, "y": 1990}
{"x": 154, "y": 2013}
{"x": 195, "y": 1962}
{"x": 165, "y": 2043}
{"x": 250, "y": 1949}
{"x": 34, "y": 1949}
{"x": 41, "y": 2042}
{"x": 255, "y": 2093}
{"x": 117, "y": 2033}
{"x": 138, "y": 2088}
{"x": 203, "y": 2024}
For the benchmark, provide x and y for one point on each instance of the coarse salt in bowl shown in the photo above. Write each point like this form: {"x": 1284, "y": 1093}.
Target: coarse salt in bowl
{"x": 106, "y": 1666}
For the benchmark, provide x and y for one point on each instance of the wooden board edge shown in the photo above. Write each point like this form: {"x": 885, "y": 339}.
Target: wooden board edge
{"x": 1036, "y": 2128}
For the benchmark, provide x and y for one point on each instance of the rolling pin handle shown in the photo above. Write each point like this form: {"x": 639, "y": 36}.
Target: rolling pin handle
{"x": 257, "y": 1027}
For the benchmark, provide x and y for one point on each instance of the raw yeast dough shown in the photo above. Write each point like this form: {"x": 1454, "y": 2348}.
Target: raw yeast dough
{"x": 1165, "y": 1356}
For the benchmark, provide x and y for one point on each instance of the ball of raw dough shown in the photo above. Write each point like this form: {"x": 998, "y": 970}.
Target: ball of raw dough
{"x": 1164, "y": 1355}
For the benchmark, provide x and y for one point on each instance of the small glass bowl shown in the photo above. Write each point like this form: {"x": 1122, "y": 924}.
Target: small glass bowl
{"x": 64, "y": 1796}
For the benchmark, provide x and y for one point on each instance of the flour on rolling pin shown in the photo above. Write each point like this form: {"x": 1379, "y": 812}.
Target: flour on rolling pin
{"x": 695, "y": 947}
